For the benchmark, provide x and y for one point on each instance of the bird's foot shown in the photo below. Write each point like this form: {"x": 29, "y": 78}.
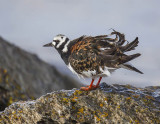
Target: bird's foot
{"x": 88, "y": 87}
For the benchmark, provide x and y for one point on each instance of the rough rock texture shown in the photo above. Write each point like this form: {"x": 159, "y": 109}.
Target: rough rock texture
{"x": 33, "y": 75}
{"x": 10, "y": 90}
{"x": 109, "y": 104}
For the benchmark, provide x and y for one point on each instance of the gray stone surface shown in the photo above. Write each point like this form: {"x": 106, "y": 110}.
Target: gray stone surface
{"x": 33, "y": 75}
{"x": 109, "y": 104}
{"x": 10, "y": 90}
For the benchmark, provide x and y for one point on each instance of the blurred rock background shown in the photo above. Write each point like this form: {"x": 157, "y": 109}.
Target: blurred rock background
{"x": 10, "y": 90}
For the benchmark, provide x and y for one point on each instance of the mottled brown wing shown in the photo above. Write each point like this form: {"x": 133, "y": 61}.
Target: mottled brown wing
{"x": 85, "y": 56}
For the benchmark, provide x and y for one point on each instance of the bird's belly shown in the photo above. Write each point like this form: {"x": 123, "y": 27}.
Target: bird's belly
{"x": 89, "y": 73}
{"x": 103, "y": 73}
{"x": 93, "y": 73}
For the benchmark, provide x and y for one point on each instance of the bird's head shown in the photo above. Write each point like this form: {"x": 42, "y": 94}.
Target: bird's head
{"x": 60, "y": 42}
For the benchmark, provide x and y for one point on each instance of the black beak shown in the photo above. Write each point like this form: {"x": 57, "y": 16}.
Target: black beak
{"x": 48, "y": 45}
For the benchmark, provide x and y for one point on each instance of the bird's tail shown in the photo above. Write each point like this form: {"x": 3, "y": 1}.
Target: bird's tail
{"x": 124, "y": 62}
{"x": 130, "y": 46}
{"x": 127, "y": 58}
{"x": 130, "y": 67}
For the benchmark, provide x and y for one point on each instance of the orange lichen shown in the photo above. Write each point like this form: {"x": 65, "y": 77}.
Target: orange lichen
{"x": 81, "y": 110}
{"x": 149, "y": 97}
{"x": 128, "y": 98}
{"x": 4, "y": 71}
{"x": 10, "y": 100}
{"x": 74, "y": 99}
{"x": 78, "y": 116}
{"x": 101, "y": 105}
{"x": 144, "y": 100}
{"x": 137, "y": 122}
{"x": 135, "y": 96}
{"x": 6, "y": 78}
{"x": 73, "y": 107}
{"x": 118, "y": 106}
{"x": 105, "y": 114}
{"x": 98, "y": 119}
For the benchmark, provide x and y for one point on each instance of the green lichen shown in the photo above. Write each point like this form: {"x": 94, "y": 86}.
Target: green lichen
{"x": 10, "y": 90}
{"x": 81, "y": 110}
{"x": 78, "y": 92}
{"x": 65, "y": 100}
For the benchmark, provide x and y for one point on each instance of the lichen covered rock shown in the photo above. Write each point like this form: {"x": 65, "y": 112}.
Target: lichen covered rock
{"x": 10, "y": 90}
{"x": 108, "y": 104}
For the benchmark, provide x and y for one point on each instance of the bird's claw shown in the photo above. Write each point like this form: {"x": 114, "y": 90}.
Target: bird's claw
{"x": 88, "y": 88}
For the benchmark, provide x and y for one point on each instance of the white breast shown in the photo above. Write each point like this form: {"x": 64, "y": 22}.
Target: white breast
{"x": 92, "y": 73}
{"x": 103, "y": 73}
{"x": 73, "y": 71}
{"x": 89, "y": 73}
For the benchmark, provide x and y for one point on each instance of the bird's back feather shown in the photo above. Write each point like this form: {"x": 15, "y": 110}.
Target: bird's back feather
{"x": 90, "y": 53}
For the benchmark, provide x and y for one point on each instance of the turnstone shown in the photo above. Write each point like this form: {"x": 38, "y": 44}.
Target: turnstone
{"x": 98, "y": 56}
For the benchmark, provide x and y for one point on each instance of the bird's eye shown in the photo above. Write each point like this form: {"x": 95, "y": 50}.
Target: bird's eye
{"x": 62, "y": 37}
{"x": 56, "y": 41}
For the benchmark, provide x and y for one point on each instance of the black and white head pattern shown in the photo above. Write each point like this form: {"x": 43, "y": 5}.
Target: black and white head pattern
{"x": 60, "y": 42}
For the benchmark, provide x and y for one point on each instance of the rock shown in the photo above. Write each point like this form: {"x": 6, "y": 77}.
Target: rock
{"x": 109, "y": 104}
{"x": 10, "y": 90}
{"x": 33, "y": 75}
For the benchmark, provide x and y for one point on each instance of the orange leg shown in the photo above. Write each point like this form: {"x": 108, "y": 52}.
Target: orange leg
{"x": 88, "y": 88}
{"x": 91, "y": 86}
{"x": 97, "y": 85}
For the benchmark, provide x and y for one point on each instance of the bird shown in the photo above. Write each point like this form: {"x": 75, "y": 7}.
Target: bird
{"x": 95, "y": 56}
